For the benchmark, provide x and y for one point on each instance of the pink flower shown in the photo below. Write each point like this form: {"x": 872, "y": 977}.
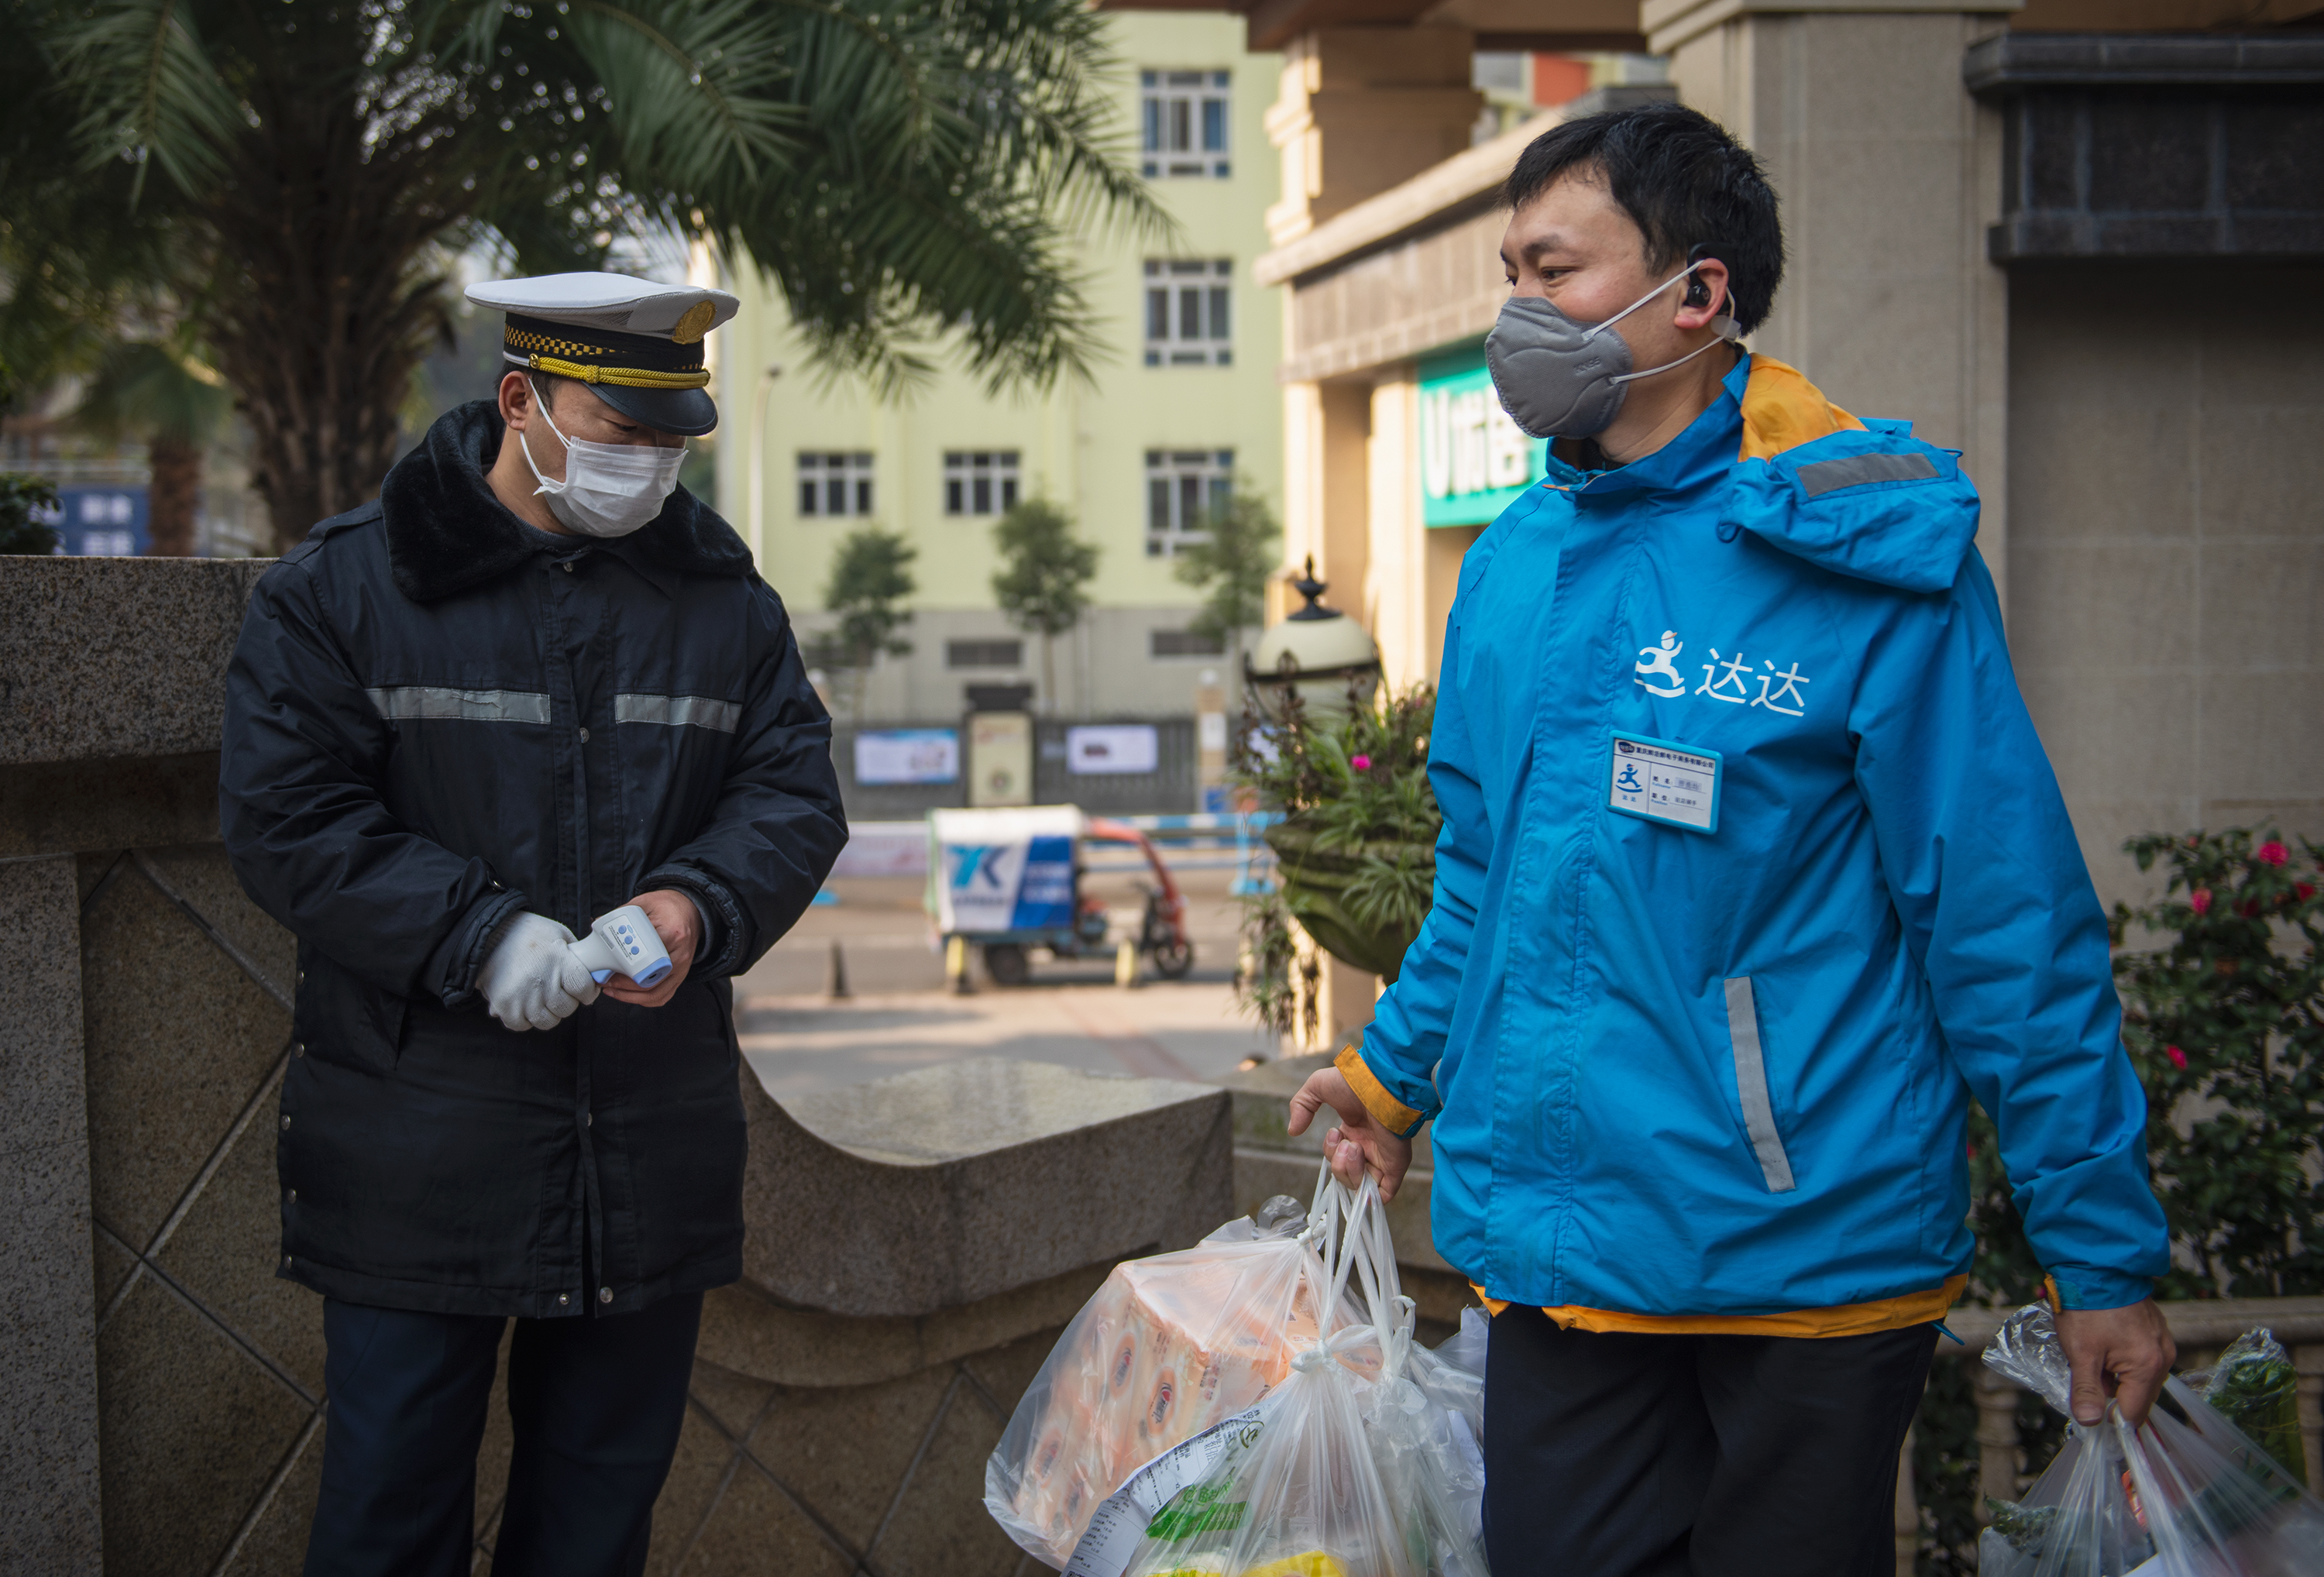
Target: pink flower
{"x": 2200, "y": 900}
{"x": 2306, "y": 889}
{"x": 1364, "y": 764}
{"x": 2178, "y": 1057}
{"x": 2274, "y": 853}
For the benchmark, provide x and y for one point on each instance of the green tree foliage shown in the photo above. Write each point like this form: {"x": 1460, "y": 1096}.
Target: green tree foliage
{"x": 908, "y": 175}
{"x": 21, "y": 499}
{"x": 870, "y": 589}
{"x": 1231, "y": 569}
{"x": 1043, "y": 581}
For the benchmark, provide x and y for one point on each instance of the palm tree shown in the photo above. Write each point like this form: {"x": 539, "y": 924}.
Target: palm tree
{"x": 906, "y": 172}
{"x": 166, "y": 396}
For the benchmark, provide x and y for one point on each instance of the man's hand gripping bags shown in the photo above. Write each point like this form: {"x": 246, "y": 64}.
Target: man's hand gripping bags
{"x": 2186, "y": 1494}
{"x": 1198, "y": 1418}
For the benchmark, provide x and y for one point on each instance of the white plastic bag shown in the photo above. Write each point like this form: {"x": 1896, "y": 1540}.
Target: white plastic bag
{"x": 1168, "y": 1347}
{"x": 2186, "y": 1494}
{"x": 1299, "y": 1491}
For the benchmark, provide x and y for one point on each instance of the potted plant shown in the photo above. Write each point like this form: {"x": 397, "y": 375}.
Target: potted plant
{"x": 1356, "y": 846}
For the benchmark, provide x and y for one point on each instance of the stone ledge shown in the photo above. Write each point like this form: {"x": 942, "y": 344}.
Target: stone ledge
{"x": 102, "y": 658}
{"x": 84, "y": 807}
{"x": 2009, "y": 62}
{"x": 955, "y": 1183}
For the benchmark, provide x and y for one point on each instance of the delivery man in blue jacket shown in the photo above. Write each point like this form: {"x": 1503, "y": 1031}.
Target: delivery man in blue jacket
{"x": 1753, "y": 871}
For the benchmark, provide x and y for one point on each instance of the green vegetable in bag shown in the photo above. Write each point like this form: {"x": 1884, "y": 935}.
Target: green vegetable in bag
{"x": 2258, "y": 1390}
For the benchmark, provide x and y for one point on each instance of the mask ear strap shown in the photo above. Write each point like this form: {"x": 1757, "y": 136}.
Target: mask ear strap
{"x": 526, "y": 449}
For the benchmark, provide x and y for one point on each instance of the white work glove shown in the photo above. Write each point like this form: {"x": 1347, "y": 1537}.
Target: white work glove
{"x": 530, "y": 979}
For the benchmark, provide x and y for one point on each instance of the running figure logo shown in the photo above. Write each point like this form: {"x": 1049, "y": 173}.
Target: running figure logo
{"x": 1629, "y": 781}
{"x": 1661, "y": 660}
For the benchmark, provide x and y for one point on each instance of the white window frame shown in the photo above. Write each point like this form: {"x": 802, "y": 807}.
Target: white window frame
{"x": 1190, "y": 301}
{"x": 1182, "y": 487}
{"x": 852, "y": 471}
{"x": 998, "y": 469}
{"x": 1185, "y": 124}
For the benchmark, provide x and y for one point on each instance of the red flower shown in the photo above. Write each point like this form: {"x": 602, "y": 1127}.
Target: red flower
{"x": 2274, "y": 853}
{"x": 2178, "y": 1057}
{"x": 2200, "y": 900}
{"x": 2306, "y": 889}
{"x": 2248, "y": 909}
{"x": 1361, "y": 764}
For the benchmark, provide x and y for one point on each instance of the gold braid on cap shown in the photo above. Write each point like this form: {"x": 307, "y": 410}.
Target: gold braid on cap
{"x": 556, "y": 361}
{"x": 628, "y": 377}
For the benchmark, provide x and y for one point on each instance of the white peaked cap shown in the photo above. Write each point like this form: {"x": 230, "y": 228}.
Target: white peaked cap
{"x": 612, "y": 302}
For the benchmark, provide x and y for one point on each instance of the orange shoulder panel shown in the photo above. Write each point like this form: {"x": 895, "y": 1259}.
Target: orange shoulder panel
{"x": 1782, "y": 410}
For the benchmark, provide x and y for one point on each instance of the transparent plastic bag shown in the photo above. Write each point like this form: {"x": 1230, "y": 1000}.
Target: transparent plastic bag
{"x": 2254, "y": 1386}
{"x": 1301, "y": 1492}
{"x": 2186, "y": 1494}
{"x": 1168, "y": 1347}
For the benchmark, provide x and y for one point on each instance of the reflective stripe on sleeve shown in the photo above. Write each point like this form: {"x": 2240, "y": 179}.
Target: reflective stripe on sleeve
{"x": 413, "y": 702}
{"x": 679, "y": 711}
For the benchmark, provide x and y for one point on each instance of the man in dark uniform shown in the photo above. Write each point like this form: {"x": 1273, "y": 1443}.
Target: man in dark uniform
{"x": 534, "y": 681}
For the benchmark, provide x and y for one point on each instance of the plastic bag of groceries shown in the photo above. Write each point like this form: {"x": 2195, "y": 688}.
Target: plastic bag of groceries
{"x": 2254, "y": 1386}
{"x": 1348, "y": 1468}
{"x": 1425, "y": 1416}
{"x": 2186, "y": 1494}
{"x": 1168, "y": 1347}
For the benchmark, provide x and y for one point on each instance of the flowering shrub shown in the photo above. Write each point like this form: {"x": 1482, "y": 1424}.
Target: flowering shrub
{"x": 2225, "y": 1025}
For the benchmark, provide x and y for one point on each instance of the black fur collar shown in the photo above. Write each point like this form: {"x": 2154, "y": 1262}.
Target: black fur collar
{"x": 446, "y": 532}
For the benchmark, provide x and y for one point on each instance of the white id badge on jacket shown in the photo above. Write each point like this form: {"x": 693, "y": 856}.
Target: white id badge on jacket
{"x": 1661, "y": 781}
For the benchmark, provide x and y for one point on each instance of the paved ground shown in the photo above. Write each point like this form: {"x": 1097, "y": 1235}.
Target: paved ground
{"x": 900, "y": 1017}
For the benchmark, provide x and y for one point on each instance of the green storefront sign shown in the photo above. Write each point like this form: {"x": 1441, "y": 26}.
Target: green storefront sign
{"x": 1473, "y": 460}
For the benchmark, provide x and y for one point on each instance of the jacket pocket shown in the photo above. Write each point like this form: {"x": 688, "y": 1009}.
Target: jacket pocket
{"x": 1751, "y": 1087}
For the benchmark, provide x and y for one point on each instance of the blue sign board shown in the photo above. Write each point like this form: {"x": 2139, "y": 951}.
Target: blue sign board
{"x": 97, "y": 522}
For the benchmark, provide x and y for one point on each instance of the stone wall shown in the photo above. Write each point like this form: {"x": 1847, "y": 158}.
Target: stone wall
{"x": 2167, "y": 546}
{"x": 914, "y": 1245}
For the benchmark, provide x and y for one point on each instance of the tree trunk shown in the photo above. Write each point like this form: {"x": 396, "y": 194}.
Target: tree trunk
{"x": 332, "y": 316}
{"x": 170, "y": 500}
{"x": 1049, "y": 676}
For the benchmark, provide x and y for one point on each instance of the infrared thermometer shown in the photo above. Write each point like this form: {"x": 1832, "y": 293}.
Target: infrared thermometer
{"x": 622, "y": 941}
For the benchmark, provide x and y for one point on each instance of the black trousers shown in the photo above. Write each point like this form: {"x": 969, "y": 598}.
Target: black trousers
{"x": 596, "y": 1403}
{"x": 1621, "y": 1455}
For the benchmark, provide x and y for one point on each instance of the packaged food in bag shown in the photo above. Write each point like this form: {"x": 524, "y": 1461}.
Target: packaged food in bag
{"x": 1300, "y": 1491}
{"x": 1168, "y": 1347}
{"x": 2186, "y": 1494}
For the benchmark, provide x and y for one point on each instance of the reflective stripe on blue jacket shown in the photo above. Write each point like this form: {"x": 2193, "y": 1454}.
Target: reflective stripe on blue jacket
{"x": 1678, "y": 1072}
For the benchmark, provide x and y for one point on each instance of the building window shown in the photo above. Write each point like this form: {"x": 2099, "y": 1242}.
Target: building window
{"x": 985, "y": 654}
{"x": 1183, "y": 486}
{"x": 980, "y": 482}
{"x": 1185, "y": 124}
{"x": 1183, "y": 643}
{"x": 1187, "y": 319}
{"x": 834, "y": 484}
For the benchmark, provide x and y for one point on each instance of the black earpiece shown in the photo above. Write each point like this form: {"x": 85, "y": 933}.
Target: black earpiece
{"x": 1698, "y": 294}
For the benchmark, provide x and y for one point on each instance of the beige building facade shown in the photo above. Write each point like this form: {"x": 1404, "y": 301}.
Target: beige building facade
{"x": 2069, "y": 239}
{"x": 1182, "y": 404}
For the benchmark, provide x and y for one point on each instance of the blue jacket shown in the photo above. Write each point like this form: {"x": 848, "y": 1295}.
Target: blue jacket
{"x": 1678, "y": 1072}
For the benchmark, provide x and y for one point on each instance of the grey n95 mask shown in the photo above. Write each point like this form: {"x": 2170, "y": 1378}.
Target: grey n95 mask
{"x": 1560, "y": 380}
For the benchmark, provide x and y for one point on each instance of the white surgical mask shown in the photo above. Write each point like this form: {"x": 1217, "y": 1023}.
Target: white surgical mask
{"x": 609, "y": 490}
